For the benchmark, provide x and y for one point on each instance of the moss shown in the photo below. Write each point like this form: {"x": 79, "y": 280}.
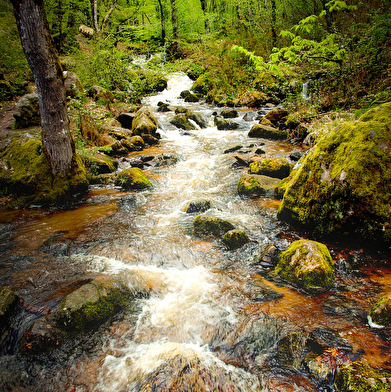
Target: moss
{"x": 97, "y": 163}
{"x": 255, "y": 185}
{"x": 203, "y": 84}
{"x": 267, "y": 132}
{"x": 181, "y": 121}
{"x": 235, "y": 239}
{"x": 343, "y": 185}
{"x": 144, "y": 122}
{"x": 210, "y": 225}
{"x": 272, "y": 167}
{"x": 90, "y": 305}
{"x": 359, "y": 377}
{"x": 7, "y": 301}
{"x": 25, "y": 174}
{"x": 308, "y": 265}
{"x": 380, "y": 314}
{"x": 133, "y": 179}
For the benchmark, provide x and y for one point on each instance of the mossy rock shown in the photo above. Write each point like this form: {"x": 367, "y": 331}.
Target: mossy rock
{"x": 26, "y": 111}
{"x": 359, "y": 377}
{"x": 254, "y": 185}
{"x": 235, "y": 239}
{"x": 72, "y": 84}
{"x": 272, "y": 167}
{"x": 97, "y": 163}
{"x": 181, "y": 121}
{"x": 225, "y": 125}
{"x": 279, "y": 190}
{"x": 8, "y": 299}
{"x": 189, "y": 115}
{"x": 380, "y": 314}
{"x": 308, "y": 265}
{"x": 267, "y": 132}
{"x": 144, "y": 122}
{"x": 252, "y": 99}
{"x": 277, "y": 115}
{"x": 25, "y": 174}
{"x": 343, "y": 185}
{"x": 91, "y": 305}
{"x": 100, "y": 94}
{"x": 203, "y": 84}
{"x": 210, "y": 225}
{"x": 133, "y": 179}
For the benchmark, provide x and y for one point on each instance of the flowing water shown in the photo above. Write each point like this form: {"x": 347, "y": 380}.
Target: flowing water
{"x": 205, "y": 325}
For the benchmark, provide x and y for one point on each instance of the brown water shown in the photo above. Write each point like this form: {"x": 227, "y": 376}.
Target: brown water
{"x": 200, "y": 307}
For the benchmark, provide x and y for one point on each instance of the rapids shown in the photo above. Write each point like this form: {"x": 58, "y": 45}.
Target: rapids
{"x": 203, "y": 327}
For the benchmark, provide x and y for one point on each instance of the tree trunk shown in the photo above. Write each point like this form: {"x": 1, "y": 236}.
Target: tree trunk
{"x": 162, "y": 22}
{"x": 174, "y": 20}
{"x": 95, "y": 15}
{"x": 273, "y": 24}
{"x": 204, "y": 10}
{"x": 43, "y": 60}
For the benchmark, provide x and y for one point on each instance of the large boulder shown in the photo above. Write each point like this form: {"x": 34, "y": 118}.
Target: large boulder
{"x": 343, "y": 184}
{"x": 380, "y": 314}
{"x": 252, "y": 99}
{"x": 72, "y": 84}
{"x": 211, "y": 225}
{"x": 272, "y": 167}
{"x": 254, "y": 185}
{"x": 26, "y": 111}
{"x": 308, "y": 265}
{"x": 144, "y": 122}
{"x": 267, "y": 132}
{"x": 133, "y": 179}
{"x": 25, "y": 174}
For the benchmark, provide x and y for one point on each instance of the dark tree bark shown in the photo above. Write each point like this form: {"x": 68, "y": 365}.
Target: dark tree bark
{"x": 273, "y": 23}
{"x": 204, "y": 10}
{"x": 43, "y": 60}
{"x": 174, "y": 20}
{"x": 162, "y": 22}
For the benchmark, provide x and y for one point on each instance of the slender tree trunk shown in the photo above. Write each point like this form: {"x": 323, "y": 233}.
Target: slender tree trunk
{"x": 43, "y": 60}
{"x": 204, "y": 10}
{"x": 174, "y": 20}
{"x": 95, "y": 15}
{"x": 162, "y": 22}
{"x": 273, "y": 24}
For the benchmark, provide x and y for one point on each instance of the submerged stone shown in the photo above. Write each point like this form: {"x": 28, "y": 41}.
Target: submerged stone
{"x": 235, "y": 239}
{"x": 272, "y": 167}
{"x": 343, "y": 185}
{"x": 211, "y": 225}
{"x": 197, "y": 206}
{"x": 308, "y": 265}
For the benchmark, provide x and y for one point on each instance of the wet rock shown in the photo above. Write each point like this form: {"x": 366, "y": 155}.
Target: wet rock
{"x": 321, "y": 339}
{"x": 203, "y": 84}
{"x": 241, "y": 162}
{"x": 380, "y": 314}
{"x": 235, "y": 239}
{"x": 210, "y": 225}
{"x": 267, "y": 132}
{"x": 358, "y": 376}
{"x": 126, "y": 120}
{"x": 184, "y": 94}
{"x": 72, "y": 84}
{"x": 149, "y": 139}
{"x": 229, "y": 113}
{"x": 308, "y": 265}
{"x": 118, "y": 133}
{"x": 163, "y": 107}
{"x": 291, "y": 350}
{"x": 91, "y": 305}
{"x": 254, "y": 185}
{"x": 197, "y": 206}
{"x": 26, "y": 111}
{"x": 191, "y": 98}
{"x": 269, "y": 255}
{"x": 341, "y": 186}
{"x": 250, "y": 116}
{"x": 295, "y": 156}
{"x": 233, "y": 149}
{"x": 144, "y": 122}
{"x": 271, "y": 167}
{"x": 340, "y": 306}
{"x": 164, "y": 160}
{"x": 133, "y": 179}
{"x": 225, "y": 125}
{"x": 182, "y": 121}
{"x": 98, "y": 93}
{"x": 8, "y": 300}
{"x": 259, "y": 291}
{"x": 174, "y": 366}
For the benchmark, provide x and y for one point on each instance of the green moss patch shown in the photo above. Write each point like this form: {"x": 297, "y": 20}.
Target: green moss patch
{"x": 254, "y": 185}
{"x": 272, "y": 167}
{"x": 26, "y": 176}
{"x": 308, "y": 265}
{"x": 343, "y": 185}
{"x": 133, "y": 179}
{"x": 380, "y": 314}
{"x": 210, "y": 225}
{"x": 267, "y": 132}
{"x": 235, "y": 239}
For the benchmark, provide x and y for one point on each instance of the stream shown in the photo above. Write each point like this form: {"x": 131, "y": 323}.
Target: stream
{"x": 206, "y": 325}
